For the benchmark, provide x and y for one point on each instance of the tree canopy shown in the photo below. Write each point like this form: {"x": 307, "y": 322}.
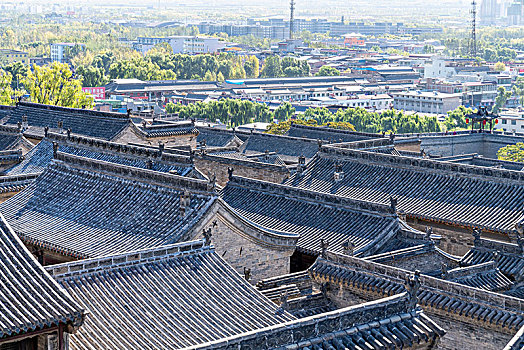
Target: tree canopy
{"x": 513, "y": 153}
{"x": 55, "y": 85}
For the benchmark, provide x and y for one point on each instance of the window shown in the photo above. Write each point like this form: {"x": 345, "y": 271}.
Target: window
{"x": 504, "y": 121}
{"x": 513, "y": 122}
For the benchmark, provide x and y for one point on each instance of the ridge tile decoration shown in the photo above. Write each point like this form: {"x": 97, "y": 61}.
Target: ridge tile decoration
{"x": 168, "y": 129}
{"x": 170, "y": 297}
{"x": 389, "y": 323}
{"x": 31, "y": 300}
{"x": 102, "y": 125}
{"x": 276, "y": 207}
{"x": 428, "y": 190}
{"x": 41, "y": 155}
{"x": 85, "y": 208}
{"x": 487, "y": 314}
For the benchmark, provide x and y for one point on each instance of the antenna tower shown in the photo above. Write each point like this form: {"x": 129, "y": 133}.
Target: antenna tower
{"x": 473, "y": 43}
{"x": 291, "y": 18}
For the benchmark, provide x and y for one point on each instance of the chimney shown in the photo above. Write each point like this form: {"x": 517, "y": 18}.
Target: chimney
{"x": 185, "y": 202}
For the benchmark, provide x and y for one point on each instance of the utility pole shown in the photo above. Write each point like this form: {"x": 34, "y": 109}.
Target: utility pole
{"x": 291, "y": 18}
{"x": 473, "y": 44}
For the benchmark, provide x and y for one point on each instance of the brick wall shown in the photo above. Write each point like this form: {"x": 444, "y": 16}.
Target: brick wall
{"x": 254, "y": 170}
{"x": 243, "y": 246}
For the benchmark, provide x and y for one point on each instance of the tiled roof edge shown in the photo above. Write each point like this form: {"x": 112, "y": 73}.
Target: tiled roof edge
{"x": 83, "y": 141}
{"x": 423, "y": 164}
{"x": 133, "y": 258}
{"x": 311, "y": 196}
{"x": 134, "y": 174}
{"x": 317, "y": 326}
{"x": 75, "y": 110}
{"x": 432, "y": 283}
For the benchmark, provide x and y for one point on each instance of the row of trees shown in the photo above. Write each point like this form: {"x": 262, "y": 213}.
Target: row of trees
{"x": 160, "y": 64}
{"x": 236, "y": 112}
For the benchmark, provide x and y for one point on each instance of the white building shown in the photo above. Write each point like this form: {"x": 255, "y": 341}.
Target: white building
{"x": 181, "y": 44}
{"x": 426, "y": 101}
{"x": 511, "y": 121}
{"x": 438, "y": 69}
{"x": 60, "y": 51}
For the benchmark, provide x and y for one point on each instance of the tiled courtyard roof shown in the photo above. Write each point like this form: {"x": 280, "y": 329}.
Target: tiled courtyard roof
{"x": 215, "y": 137}
{"x": 169, "y": 297}
{"x": 443, "y": 192}
{"x": 312, "y": 215}
{"x": 30, "y": 299}
{"x": 288, "y": 148}
{"x": 166, "y": 130}
{"x": 102, "y": 125}
{"x": 87, "y": 208}
{"x": 463, "y": 302}
{"x": 388, "y": 323}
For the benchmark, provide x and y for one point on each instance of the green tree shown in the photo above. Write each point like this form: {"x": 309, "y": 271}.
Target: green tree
{"x": 327, "y": 71}
{"x": 513, "y": 153}
{"x": 91, "y": 76}
{"x": 272, "y": 68}
{"x": 55, "y": 85}
{"x": 285, "y": 111}
{"x": 7, "y": 94}
{"x": 501, "y": 99}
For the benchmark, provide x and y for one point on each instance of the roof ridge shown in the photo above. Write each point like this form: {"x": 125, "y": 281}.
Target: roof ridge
{"x": 136, "y": 174}
{"x": 330, "y": 322}
{"x": 338, "y": 202}
{"x": 132, "y": 258}
{"x": 334, "y": 130}
{"x": 73, "y": 110}
{"x": 102, "y": 145}
{"x": 421, "y": 164}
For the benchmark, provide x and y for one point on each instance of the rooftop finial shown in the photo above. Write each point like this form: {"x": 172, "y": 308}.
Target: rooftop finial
{"x": 476, "y": 235}
{"x": 349, "y": 247}
{"x": 323, "y": 248}
{"x": 412, "y": 286}
{"x": 283, "y": 300}
{"x": 429, "y": 232}
{"x": 46, "y": 131}
{"x": 55, "y": 150}
{"x": 393, "y": 203}
{"x": 230, "y": 173}
{"x": 247, "y": 274}
{"x": 207, "y": 236}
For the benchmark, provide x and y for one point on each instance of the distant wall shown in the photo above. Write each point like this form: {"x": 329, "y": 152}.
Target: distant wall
{"x": 486, "y": 145}
{"x": 254, "y": 170}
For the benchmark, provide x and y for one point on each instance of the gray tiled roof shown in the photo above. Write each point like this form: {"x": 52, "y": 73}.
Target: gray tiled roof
{"x": 169, "y": 297}
{"x": 168, "y": 129}
{"x": 388, "y": 323}
{"x": 215, "y": 137}
{"x": 435, "y": 294}
{"x": 87, "y": 208}
{"x": 328, "y": 134}
{"x": 103, "y": 125}
{"x": 41, "y": 155}
{"x": 30, "y": 298}
{"x": 287, "y": 209}
{"x": 426, "y": 189}
{"x": 288, "y": 148}
{"x": 8, "y": 140}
